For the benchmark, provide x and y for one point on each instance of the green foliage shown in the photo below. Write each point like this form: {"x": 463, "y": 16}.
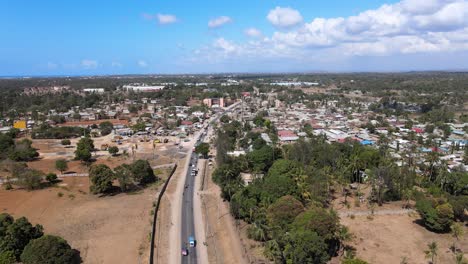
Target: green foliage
{"x": 30, "y": 179}
{"x": 101, "y": 178}
{"x": 140, "y": 126}
{"x": 61, "y": 165}
{"x": 225, "y": 119}
{"x": 83, "y": 149}
{"x": 113, "y": 150}
{"x": 437, "y": 215}
{"x": 106, "y": 128}
{"x": 203, "y": 149}
{"x": 283, "y": 211}
{"x": 322, "y": 221}
{"x": 51, "y": 177}
{"x": 49, "y": 250}
{"x": 459, "y": 205}
{"x": 125, "y": 176}
{"x": 18, "y": 235}
{"x": 306, "y": 247}
{"x": 48, "y": 132}
{"x": 23, "y": 151}
{"x": 66, "y": 142}
{"x": 143, "y": 173}
{"x": 7, "y": 257}
{"x": 5, "y": 221}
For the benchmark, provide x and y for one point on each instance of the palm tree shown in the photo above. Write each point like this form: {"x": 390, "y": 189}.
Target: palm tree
{"x": 457, "y": 231}
{"x": 431, "y": 251}
{"x": 432, "y": 158}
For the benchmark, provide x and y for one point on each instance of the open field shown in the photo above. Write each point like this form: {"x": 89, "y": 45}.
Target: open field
{"x": 112, "y": 229}
{"x": 388, "y": 238}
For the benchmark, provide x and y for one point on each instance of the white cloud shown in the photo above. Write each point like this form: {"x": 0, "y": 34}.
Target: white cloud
{"x": 89, "y": 64}
{"x": 164, "y": 19}
{"x": 253, "y": 32}
{"x": 406, "y": 27}
{"x": 284, "y": 17}
{"x": 219, "y": 21}
{"x": 142, "y": 63}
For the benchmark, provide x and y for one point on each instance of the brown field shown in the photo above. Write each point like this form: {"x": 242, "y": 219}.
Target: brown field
{"x": 112, "y": 229}
{"x": 388, "y": 238}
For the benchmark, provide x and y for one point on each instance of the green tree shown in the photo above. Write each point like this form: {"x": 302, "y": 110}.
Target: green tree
{"x": 457, "y": 230}
{"x": 83, "y": 149}
{"x": 101, "y": 178}
{"x": 125, "y": 176}
{"x": 322, "y": 221}
{"x": 23, "y": 151}
{"x": 203, "y": 149}
{"x": 51, "y": 177}
{"x": 432, "y": 251}
{"x": 143, "y": 173}
{"x": 306, "y": 247}
{"x": 283, "y": 211}
{"x": 49, "y": 250}
{"x": 106, "y": 128}
{"x": 30, "y": 179}
{"x": 5, "y": 221}
{"x": 18, "y": 235}
{"x": 61, "y": 165}
{"x": 436, "y": 216}
{"x": 113, "y": 150}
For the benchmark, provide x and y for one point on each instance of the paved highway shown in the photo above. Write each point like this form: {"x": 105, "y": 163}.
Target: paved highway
{"x": 188, "y": 226}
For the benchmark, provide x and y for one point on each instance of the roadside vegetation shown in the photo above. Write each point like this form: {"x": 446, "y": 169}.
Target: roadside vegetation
{"x": 20, "y": 241}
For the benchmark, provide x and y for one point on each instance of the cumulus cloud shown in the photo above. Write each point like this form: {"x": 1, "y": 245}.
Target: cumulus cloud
{"x": 164, "y": 19}
{"x": 403, "y": 28}
{"x": 142, "y": 63}
{"x": 219, "y": 21}
{"x": 284, "y": 17}
{"x": 253, "y": 32}
{"x": 89, "y": 64}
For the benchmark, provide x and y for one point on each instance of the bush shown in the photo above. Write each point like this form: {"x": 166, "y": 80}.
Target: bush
{"x": 51, "y": 177}
{"x": 113, "y": 150}
{"x": 66, "y": 142}
{"x": 7, "y": 257}
{"x": 101, "y": 178}
{"x": 49, "y": 250}
{"x": 436, "y": 215}
{"x": 30, "y": 179}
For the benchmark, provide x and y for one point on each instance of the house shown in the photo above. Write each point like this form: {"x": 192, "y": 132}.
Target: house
{"x": 287, "y": 136}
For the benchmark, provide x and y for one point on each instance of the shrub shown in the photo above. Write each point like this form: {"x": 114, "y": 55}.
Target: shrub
{"x": 51, "y": 177}
{"x": 49, "y": 250}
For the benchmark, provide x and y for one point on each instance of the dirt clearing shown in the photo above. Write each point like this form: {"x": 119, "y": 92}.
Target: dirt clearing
{"x": 112, "y": 229}
{"x": 388, "y": 238}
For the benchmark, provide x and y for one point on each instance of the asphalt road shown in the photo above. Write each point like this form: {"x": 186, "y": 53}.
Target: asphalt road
{"x": 188, "y": 226}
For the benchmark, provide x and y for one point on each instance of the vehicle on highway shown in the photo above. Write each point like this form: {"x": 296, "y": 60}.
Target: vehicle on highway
{"x": 184, "y": 251}
{"x": 192, "y": 241}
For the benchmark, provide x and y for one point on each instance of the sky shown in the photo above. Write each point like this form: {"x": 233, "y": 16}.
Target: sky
{"x": 89, "y": 37}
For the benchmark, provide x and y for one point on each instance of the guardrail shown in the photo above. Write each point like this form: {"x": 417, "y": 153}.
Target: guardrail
{"x": 155, "y": 216}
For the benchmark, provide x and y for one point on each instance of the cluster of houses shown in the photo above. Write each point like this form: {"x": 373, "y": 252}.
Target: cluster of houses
{"x": 337, "y": 124}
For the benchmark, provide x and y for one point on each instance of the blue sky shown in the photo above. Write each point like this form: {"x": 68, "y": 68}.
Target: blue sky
{"x": 155, "y": 36}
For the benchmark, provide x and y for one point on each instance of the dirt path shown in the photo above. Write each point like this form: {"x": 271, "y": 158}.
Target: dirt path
{"x": 376, "y": 212}
{"x": 223, "y": 241}
{"x": 200, "y": 233}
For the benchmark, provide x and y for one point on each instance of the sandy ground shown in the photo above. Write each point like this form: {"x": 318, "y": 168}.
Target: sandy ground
{"x": 200, "y": 233}
{"x": 112, "y": 229}
{"x": 222, "y": 237}
{"x": 386, "y": 239}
